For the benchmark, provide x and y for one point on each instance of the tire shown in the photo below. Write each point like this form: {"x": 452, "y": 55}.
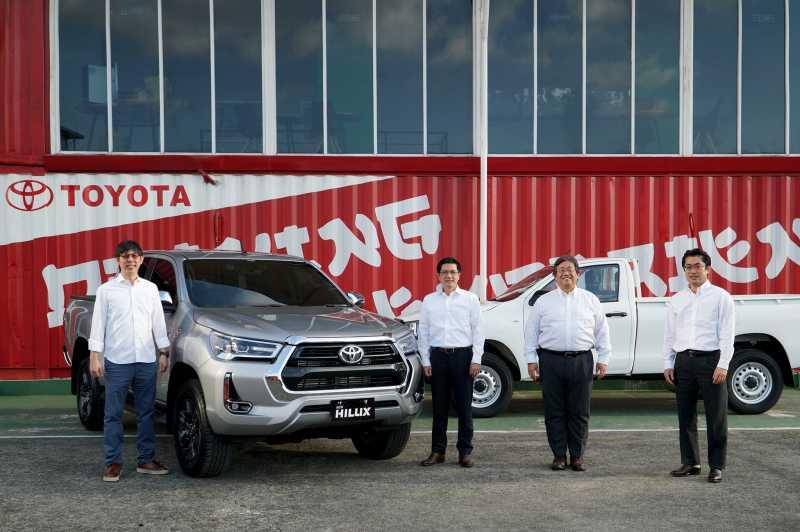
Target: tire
{"x": 382, "y": 444}
{"x": 492, "y": 387}
{"x": 90, "y": 399}
{"x": 755, "y": 382}
{"x": 200, "y": 452}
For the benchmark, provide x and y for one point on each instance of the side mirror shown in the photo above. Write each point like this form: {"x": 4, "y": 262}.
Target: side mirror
{"x": 536, "y": 295}
{"x": 166, "y": 300}
{"x": 356, "y": 298}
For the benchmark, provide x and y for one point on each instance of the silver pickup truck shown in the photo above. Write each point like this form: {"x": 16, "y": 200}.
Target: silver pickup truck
{"x": 268, "y": 347}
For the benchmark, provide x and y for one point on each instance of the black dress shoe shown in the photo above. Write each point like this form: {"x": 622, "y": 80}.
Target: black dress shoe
{"x": 715, "y": 476}
{"x": 576, "y": 464}
{"x": 433, "y": 459}
{"x": 686, "y": 470}
{"x": 465, "y": 460}
{"x": 559, "y": 464}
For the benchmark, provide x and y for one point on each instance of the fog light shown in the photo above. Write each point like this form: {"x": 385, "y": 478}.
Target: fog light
{"x": 233, "y": 403}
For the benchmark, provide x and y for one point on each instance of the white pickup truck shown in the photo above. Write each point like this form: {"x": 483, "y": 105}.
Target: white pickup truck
{"x": 767, "y": 345}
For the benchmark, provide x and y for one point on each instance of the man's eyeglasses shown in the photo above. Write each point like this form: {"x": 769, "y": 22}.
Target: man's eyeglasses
{"x": 130, "y": 256}
{"x": 562, "y": 271}
{"x": 690, "y": 267}
{"x": 449, "y": 272}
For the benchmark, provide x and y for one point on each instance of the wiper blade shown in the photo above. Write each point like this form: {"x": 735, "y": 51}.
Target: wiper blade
{"x": 337, "y": 305}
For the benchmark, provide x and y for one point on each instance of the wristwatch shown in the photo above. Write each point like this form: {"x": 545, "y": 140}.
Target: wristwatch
{"x": 164, "y": 353}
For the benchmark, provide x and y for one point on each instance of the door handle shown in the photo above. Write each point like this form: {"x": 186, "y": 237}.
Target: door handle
{"x": 616, "y": 314}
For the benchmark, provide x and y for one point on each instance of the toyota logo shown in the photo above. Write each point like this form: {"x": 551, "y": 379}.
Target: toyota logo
{"x": 351, "y": 354}
{"x": 29, "y": 195}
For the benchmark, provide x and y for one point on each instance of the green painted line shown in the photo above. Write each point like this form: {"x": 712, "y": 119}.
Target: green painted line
{"x": 39, "y": 387}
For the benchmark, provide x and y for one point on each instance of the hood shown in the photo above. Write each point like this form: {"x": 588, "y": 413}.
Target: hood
{"x": 279, "y": 323}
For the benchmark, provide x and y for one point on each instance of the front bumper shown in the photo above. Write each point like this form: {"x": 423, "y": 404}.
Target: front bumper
{"x": 276, "y": 410}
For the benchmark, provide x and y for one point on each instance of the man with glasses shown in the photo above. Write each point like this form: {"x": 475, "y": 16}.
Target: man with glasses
{"x": 698, "y": 346}
{"x": 564, "y": 326}
{"x": 451, "y": 345}
{"x": 126, "y": 318}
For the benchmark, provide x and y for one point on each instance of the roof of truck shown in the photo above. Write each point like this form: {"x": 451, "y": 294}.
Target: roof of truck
{"x": 214, "y": 254}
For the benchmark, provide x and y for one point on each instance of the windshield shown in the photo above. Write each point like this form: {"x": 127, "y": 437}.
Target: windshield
{"x": 519, "y": 287}
{"x": 258, "y": 283}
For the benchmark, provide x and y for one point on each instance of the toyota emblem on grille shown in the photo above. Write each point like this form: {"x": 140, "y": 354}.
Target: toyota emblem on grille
{"x": 351, "y": 354}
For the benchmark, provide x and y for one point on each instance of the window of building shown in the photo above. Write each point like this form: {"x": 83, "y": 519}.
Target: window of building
{"x": 763, "y": 64}
{"x": 399, "y": 41}
{"x": 657, "y": 90}
{"x": 794, "y": 76}
{"x": 511, "y": 77}
{"x": 449, "y": 76}
{"x": 135, "y": 92}
{"x": 566, "y": 77}
{"x": 560, "y": 77}
{"x": 83, "y": 93}
{"x": 237, "y": 77}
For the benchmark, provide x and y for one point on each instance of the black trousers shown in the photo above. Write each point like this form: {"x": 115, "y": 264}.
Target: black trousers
{"x": 693, "y": 375}
{"x": 567, "y": 393}
{"x": 450, "y": 378}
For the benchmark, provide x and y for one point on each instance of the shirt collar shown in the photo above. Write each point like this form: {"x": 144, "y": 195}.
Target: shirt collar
{"x": 565, "y": 294}
{"x": 120, "y": 279}
{"x": 440, "y": 289}
{"x": 703, "y": 288}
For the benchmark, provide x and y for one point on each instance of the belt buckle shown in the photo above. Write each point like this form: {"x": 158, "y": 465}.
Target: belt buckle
{"x": 570, "y": 353}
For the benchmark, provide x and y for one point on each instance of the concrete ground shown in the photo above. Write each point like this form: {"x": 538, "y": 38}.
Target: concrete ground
{"x": 50, "y": 477}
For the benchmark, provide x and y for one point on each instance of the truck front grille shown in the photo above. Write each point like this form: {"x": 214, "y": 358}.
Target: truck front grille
{"x": 314, "y": 367}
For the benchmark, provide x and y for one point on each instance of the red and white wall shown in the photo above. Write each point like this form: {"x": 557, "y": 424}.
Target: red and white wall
{"x": 376, "y": 224}
{"x": 380, "y": 235}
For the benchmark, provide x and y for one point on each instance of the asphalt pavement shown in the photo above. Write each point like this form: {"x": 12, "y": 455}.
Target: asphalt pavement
{"x": 50, "y": 477}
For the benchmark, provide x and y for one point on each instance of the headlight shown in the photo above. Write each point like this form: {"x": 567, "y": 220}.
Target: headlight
{"x": 230, "y": 348}
{"x": 407, "y": 344}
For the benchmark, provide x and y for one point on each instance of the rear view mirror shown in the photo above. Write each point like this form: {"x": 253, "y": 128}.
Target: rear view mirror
{"x": 355, "y": 298}
{"x": 166, "y": 301}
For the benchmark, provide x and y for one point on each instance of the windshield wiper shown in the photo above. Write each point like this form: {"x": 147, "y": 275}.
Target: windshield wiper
{"x": 337, "y": 304}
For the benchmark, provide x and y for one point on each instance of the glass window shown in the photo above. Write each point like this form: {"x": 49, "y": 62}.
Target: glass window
{"x": 511, "y": 77}
{"x": 399, "y": 57}
{"x": 794, "y": 73}
{"x": 560, "y": 93}
{"x": 82, "y": 75}
{"x": 608, "y": 76}
{"x": 715, "y": 63}
{"x": 187, "y": 75}
{"x": 349, "y": 69}
{"x": 449, "y": 61}
{"x": 763, "y": 70}
{"x": 298, "y": 71}
{"x": 602, "y": 281}
{"x": 134, "y": 58}
{"x": 658, "y": 30}
{"x": 255, "y": 283}
{"x": 163, "y": 276}
{"x": 237, "y": 69}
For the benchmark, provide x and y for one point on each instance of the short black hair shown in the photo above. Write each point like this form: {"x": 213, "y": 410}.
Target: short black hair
{"x": 448, "y": 260}
{"x": 566, "y": 258}
{"x": 696, "y": 252}
{"x": 126, "y": 246}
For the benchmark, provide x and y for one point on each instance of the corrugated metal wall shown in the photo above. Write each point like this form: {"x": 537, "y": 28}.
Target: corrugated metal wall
{"x": 380, "y": 235}
{"x": 23, "y": 81}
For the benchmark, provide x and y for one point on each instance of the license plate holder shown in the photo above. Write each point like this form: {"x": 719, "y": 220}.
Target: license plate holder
{"x": 345, "y": 410}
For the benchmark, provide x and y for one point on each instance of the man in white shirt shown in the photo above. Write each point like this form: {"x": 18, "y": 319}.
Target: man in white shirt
{"x": 698, "y": 346}
{"x": 127, "y": 316}
{"x": 451, "y": 345}
{"x": 563, "y": 328}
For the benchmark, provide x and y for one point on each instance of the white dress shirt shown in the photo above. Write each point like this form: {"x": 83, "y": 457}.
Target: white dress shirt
{"x": 563, "y": 321}
{"x": 450, "y": 321}
{"x": 704, "y": 321}
{"x": 125, "y": 319}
